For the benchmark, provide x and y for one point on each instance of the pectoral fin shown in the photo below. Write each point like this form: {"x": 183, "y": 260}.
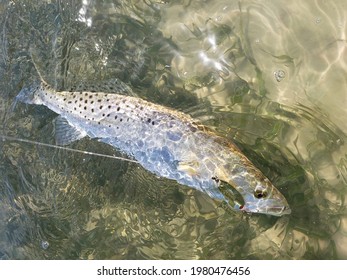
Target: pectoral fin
{"x": 65, "y": 133}
{"x": 190, "y": 167}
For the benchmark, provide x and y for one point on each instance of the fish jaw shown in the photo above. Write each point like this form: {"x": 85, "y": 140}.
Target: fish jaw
{"x": 260, "y": 196}
{"x": 274, "y": 204}
{"x": 258, "y": 193}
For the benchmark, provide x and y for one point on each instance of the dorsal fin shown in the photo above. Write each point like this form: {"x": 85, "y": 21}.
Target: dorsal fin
{"x": 109, "y": 86}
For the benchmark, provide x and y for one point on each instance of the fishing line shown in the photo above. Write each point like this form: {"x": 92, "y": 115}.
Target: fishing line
{"x": 5, "y": 137}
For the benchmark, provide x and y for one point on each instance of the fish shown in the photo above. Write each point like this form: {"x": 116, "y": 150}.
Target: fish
{"x": 164, "y": 141}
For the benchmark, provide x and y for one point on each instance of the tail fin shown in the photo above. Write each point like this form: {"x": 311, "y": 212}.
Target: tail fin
{"x": 29, "y": 94}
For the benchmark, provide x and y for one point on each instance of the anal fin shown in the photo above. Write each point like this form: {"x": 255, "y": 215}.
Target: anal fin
{"x": 65, "y": 133}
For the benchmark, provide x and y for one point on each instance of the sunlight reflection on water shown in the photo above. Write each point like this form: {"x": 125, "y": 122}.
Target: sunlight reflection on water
{"x": 270, "y": 75}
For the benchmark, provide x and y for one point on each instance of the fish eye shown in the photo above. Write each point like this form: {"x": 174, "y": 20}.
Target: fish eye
{"x": 260, "y": 193}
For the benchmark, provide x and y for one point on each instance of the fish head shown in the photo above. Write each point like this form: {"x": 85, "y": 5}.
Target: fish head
{"x": 264, "y": 198}
{"x": 31, "y": 94}
{"x": 257, "y": 193}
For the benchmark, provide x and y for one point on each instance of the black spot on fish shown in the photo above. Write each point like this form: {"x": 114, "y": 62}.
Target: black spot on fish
{"x": 74, "y": 108}
{"x": 108, "y": 115}
{"x": 69, "y": 102}
{"x": 109, "y": 106}
{"x": 86, "y": 101}
{"x": 85, "y": 107}
{"x": 115, "y": 117}
{"x": 118, "y": 108}
{"x": 98, "y": 122}
{"x": 99, "y": 100}
{"x": 109, "y": 125}
{"x": 193, "y": 128}
{"x": 153, "y": 122}
{"x": 107, "y": 100}
{"x": 149, "y": 120}
{"x": 141, "y": 108}
{"x": 92, "y": 110}
{"x": 64, "y": 99}
{"x": 91, "y": 102}
{"x": 120, "y": 120}
{"x": 90, "y": 96}
{"x": 117, "y": 127}
{"x": 81, "y": 98}
{"x": 103, "y": 115}
{"x": 215, "y": 178}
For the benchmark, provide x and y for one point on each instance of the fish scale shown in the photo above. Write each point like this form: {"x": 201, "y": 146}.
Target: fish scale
{"x": 166, "y": 142}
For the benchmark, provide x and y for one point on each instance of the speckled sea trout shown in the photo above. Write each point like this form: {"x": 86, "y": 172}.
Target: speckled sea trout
{"x": 166, "y": 142}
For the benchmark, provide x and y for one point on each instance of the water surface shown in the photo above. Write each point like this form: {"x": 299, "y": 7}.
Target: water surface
{"x": 270, "y": 75}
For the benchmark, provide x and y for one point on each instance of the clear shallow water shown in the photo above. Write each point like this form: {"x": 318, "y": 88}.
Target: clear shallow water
{"x": 270, "y": 75}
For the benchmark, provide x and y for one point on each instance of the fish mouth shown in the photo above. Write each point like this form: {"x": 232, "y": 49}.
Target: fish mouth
{"x": 269, "y": 210}
{"x": 275, "y": 204}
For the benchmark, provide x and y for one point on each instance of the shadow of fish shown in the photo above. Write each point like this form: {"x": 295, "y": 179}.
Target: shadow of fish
{"x": 166, "y": 142}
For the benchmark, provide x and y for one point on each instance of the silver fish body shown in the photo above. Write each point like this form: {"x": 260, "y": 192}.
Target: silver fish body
{"x": 164, "y": 141}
